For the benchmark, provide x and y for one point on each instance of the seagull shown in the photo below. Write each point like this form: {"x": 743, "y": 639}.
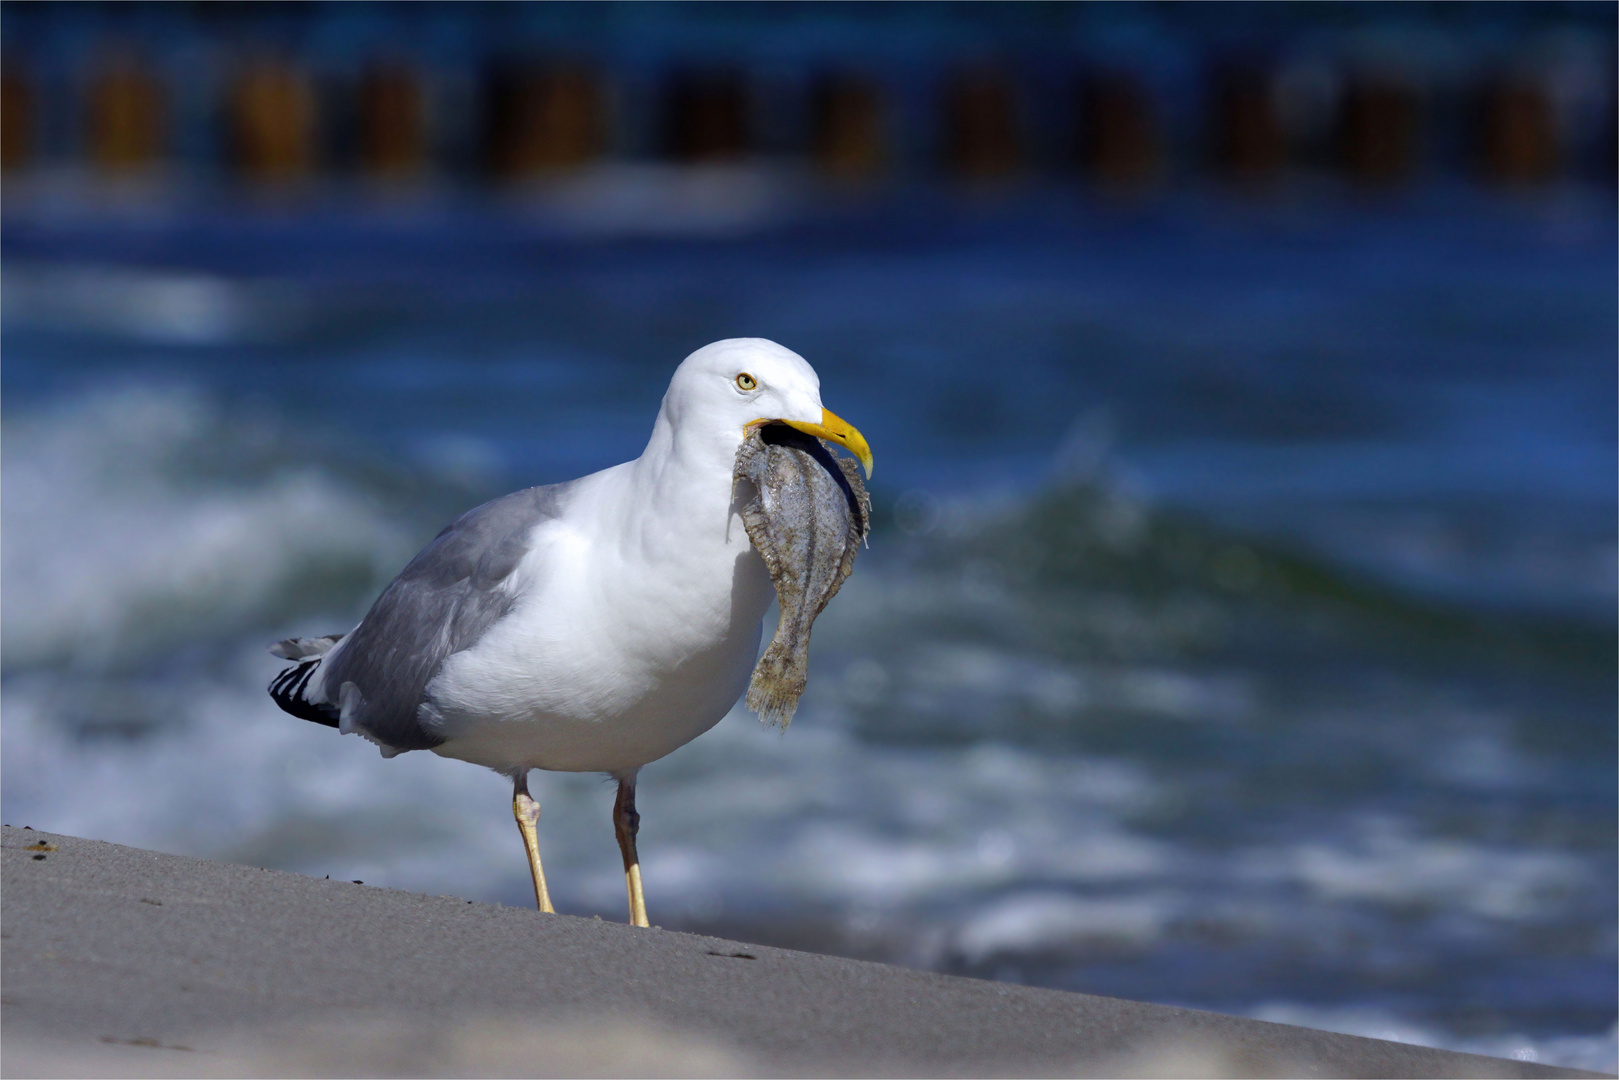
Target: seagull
{"x": 588, "y": 626}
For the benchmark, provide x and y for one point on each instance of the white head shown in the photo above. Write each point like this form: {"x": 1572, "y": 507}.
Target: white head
{"x": 721, "y": 389}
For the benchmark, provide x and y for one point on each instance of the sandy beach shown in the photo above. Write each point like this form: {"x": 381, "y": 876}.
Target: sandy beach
{"x": 119, "y": 961}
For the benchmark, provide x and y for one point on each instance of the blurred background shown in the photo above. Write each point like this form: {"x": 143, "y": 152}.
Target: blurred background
{"x": 1238, "y": 627}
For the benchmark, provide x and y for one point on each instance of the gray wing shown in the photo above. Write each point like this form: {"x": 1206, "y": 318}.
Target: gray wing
{"x": 440, "y": 604}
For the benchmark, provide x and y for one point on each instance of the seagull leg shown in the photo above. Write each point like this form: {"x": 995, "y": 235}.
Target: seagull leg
{"x": 626, "y": 823}
{"x": 527, "y": 813}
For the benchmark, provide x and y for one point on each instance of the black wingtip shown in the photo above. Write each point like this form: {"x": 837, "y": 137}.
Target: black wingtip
{"x": 287, "y": 690}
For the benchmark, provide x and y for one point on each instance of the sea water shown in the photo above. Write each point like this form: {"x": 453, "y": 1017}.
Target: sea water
{"x": 1236, "y": 630}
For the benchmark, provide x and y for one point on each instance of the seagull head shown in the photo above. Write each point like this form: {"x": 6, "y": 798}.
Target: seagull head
{"x": 722, "y": 390}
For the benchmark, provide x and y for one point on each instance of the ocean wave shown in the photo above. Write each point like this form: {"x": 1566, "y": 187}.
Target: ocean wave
{"x": 141, "y": 519}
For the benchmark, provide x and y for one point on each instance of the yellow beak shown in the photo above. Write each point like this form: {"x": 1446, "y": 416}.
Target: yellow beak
{"x": 836, "y": 429}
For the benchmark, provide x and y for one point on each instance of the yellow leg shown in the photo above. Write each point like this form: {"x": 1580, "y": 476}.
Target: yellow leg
{"x": 527, "y": 813}
{"x": 626, "y": 823}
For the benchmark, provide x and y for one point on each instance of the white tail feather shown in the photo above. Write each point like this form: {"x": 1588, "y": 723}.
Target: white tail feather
{"x": 299, "y": 648}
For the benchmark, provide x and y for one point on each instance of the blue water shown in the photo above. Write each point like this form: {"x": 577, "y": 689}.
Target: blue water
{"x": 1237, "y": 630}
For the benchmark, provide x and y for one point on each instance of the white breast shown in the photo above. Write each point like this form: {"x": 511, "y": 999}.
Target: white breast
{"x": 633, "y": 632}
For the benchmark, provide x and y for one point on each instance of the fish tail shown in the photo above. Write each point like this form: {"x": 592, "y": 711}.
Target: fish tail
{"x": 778, "y": 680}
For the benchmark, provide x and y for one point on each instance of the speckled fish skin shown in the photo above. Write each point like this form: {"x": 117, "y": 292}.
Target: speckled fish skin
{"x": 807, "y": 522}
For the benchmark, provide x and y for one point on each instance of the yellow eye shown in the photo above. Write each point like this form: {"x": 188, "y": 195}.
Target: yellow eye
{"x": 745, "y": 381}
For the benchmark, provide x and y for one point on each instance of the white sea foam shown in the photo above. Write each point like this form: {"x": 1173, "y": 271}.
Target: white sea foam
{"x": 1385, "y": 862}
{"x": 119, "y": 543}
{"x": 1039, "y": 921}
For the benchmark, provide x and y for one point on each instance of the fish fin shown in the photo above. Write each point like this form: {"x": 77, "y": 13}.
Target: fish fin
{"x": 862, "y": 501}
{"x": 757, "y": 524}
{"x": 778, "y": 682}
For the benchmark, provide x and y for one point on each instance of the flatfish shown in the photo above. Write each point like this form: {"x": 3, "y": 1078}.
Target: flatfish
{"x": 807, "y": 521}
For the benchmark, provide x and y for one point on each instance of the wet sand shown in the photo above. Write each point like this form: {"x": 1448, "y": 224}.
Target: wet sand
{"x": 118, "y": 961}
